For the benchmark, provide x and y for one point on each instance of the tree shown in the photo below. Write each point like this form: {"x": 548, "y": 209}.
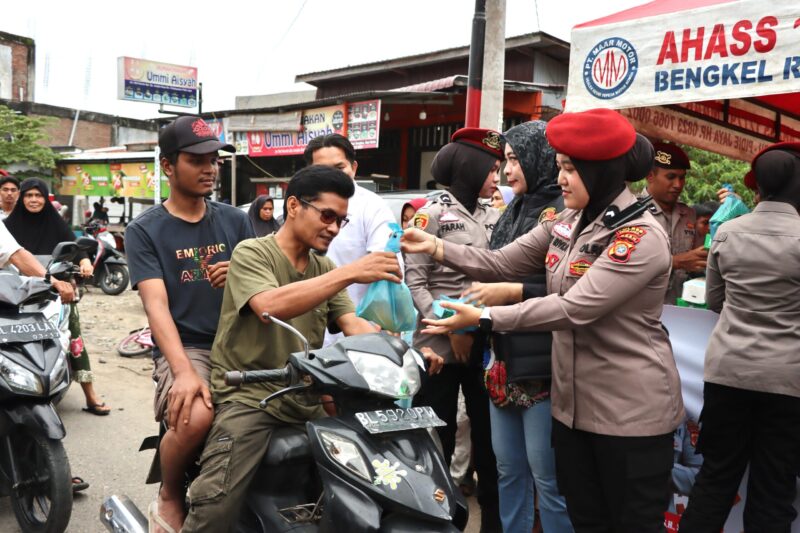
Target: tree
{"x": 20, "y": 138}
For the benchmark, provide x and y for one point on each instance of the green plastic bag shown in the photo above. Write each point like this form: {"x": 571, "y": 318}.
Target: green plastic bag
{"x": 731, "y": 207}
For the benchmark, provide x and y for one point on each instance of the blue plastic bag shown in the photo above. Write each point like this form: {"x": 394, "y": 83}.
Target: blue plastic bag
{"x": 386, "y": 303}
{"x": 731, "y": 208}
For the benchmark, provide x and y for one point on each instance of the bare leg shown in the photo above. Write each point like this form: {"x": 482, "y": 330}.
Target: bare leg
{"x": 179, "y": 448}
{"x": 92, "y": 398}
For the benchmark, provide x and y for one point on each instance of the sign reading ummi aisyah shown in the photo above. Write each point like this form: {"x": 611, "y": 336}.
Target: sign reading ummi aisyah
{"x": 140, "y": 80}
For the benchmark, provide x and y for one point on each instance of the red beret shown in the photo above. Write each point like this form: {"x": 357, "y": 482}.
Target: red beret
{"x": 594, "y": 135}
{"x": 750, "y": 177}
{"x": 480, "y": 138}
{"x": 670, "y": 155}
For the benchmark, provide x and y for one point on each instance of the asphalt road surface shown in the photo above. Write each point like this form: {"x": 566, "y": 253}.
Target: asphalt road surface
{"x": 103, "y": 450}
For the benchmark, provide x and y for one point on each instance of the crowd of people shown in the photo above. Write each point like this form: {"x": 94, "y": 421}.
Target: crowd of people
{"x": 558, "y": 281}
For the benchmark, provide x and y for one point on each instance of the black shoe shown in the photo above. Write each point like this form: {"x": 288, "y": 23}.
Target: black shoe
{"x": 490, "y": 519}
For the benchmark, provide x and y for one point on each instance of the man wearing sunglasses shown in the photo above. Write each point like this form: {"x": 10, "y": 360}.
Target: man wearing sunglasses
{"x": 369, "y": 215}
{"x": 279, "y": 275}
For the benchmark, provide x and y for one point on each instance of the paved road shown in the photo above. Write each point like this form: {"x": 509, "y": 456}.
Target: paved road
{"x": 104, "y": 450}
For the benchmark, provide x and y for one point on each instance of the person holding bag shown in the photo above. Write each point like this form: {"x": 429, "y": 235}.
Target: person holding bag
{"x": 518, "y": 372}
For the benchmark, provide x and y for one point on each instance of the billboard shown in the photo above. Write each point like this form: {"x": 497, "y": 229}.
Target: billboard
{"x": 140, "y": 80}
{"x": 134, "y": 180}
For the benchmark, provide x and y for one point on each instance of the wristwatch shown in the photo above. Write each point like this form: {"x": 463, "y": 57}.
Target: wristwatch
{"x": 485, "y": 321}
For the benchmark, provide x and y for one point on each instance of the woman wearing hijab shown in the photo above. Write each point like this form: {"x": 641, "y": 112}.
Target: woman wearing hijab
{"x": 37, "y": 227}
{"x": 519, "y": 371}
{"x": 410, "y": 208}
{"x": 751, "y": 410}
{"x": 615, "y": 393}
{"x": 502, "y": 197}
{"x": 262, "y": 216}
{"x": 468, "y": 166}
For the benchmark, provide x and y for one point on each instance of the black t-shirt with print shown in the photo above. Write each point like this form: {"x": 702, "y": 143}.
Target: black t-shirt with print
{"x": 162, "y": 246}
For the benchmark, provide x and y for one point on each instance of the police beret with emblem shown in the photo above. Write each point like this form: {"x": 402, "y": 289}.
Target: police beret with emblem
{"x": 480, "y": 138}
{"x": 750, "y": 177}
{"x": 593, "y": 135}
{"x": 670, "y": 155}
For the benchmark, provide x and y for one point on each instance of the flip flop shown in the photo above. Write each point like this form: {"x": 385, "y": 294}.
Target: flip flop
{"x": 154, "y": 520}
{"x": 78, "y": 484}
{"x": 95, "y": 411}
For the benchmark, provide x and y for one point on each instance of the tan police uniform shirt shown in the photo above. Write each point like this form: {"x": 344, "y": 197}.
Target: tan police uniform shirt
{"x": 613, "y": 369}
{"x": 680, "y": 227}
{"x": 753, "y": 281}
{"x": 447, "y": 219}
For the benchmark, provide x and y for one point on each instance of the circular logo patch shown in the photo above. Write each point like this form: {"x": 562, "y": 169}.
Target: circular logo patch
{"x": 610, "y": 68}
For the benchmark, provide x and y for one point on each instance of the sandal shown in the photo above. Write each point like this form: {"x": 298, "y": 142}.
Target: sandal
{"x": 154, "y": 520}
{"x": 96, "y": 409}
{"x": 78, "y": 484}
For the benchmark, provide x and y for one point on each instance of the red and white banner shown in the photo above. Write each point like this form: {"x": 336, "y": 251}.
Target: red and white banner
{"x": 729, "y": 49}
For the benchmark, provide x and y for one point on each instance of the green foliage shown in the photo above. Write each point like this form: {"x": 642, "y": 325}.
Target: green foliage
{"x": 708, "y": 174}
{"x": 20, "y": 138}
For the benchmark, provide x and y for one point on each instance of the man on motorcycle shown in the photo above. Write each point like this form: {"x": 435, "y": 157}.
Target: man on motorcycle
{"x": 280, "y": 275}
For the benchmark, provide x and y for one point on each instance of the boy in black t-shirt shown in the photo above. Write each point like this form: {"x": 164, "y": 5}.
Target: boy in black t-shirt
{"x": 178, "y": 255}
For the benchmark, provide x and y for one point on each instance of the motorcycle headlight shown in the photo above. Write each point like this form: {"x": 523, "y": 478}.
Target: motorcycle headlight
{"x": 59, "y": 373}
{"x": 345, "y": 452}
{"x": 19, "y": 377}
{"x": 385, "y": 377}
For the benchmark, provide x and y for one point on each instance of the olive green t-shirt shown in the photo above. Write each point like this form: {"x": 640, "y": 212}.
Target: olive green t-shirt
{"x": 243, "y": 342}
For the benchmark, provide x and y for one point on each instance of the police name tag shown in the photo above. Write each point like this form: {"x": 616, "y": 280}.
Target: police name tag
{"x": 399, "y": 419}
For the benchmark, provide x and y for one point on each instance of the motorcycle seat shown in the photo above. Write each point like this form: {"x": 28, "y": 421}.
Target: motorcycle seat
{"x": 287, "y": 444}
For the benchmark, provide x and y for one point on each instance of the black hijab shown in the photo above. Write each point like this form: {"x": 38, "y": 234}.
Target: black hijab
{"x": 463, "y": 170}
{"x": 778, "y": 176}
{"x": 538, "y": 161}
{"x": 260, "y": 226}
{"x": 38, "y": 232}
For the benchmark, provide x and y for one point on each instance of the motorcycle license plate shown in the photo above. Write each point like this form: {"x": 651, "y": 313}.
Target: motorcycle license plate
{"x": 399, "y": 419}
{"x": 27, "y": 329}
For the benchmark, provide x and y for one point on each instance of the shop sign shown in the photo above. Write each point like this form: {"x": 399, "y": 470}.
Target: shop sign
{"x": 364, "y": 123}
{"x": 133, "y": 180}
{"x": 140, "y": 80}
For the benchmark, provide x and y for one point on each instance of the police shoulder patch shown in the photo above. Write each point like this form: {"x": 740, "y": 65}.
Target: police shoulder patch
{"x": 547, "y": 214}
{"x": 420, "y": 220}
{"x": 625, "y": 242}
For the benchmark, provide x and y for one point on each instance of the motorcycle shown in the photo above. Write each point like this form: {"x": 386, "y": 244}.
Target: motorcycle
{"x": 373, "y": 467}
{"x": 34, "y": 374}
{"x": 110, "y": 267}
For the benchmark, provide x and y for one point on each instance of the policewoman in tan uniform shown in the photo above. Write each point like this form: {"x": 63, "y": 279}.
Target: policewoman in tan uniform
{"x": 615, "y": 394}
{"x": 665, "y": 184}
{"x": 751, "y": 410}
{"x": 468, "y": 166}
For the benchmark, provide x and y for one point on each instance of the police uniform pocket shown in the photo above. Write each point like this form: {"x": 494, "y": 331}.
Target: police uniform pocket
{"x": 213, "y": 481}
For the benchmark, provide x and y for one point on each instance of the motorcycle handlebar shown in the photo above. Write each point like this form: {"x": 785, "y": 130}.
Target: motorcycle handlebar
{"x": 237, "y": 377}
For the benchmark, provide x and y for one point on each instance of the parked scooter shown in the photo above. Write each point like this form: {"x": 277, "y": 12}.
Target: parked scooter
{"x": 110, "y": 266}
{"x": 34, "y": 373}
{"x": 373, "y": 467}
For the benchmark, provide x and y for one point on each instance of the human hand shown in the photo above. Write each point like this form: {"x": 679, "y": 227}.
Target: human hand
{"x": 461, "y": 343}
{"x": 416, "y": 241}
{"x": 86, "y": 268}
{"x": 374, "y": 267}
{"x": 724, "y": 193}
{"x": 691, "y": 261}
{"x": 185, "y": 388}
{"x": 65, "y": 290}
{"x": 490, "y": 294}
{"x": 435, "y": 361}
{"x": 218, "y": 273}
{"x": 466, "y": 316}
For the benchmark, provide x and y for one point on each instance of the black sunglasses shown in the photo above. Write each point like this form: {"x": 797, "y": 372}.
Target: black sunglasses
{"x": 328, "y": 216}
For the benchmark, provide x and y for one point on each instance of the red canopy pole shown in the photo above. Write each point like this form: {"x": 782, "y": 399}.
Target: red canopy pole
{"x": 475, "y": 83}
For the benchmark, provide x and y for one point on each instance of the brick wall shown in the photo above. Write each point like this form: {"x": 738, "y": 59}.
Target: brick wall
{"x": 22, "y": 65}
{"x": 87, "y": 135}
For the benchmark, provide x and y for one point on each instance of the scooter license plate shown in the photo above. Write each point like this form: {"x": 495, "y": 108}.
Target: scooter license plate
{"x": 399, "y": 419}
{"x": 27, "y": 329}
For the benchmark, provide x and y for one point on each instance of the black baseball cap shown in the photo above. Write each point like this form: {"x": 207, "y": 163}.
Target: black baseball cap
{"x": 190, "y": 134}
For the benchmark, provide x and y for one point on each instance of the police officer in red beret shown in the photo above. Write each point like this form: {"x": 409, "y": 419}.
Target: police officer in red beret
{"x": 468, "y": 167}
{"x": 665, "y": 184}
{"x": 616, "y": 396}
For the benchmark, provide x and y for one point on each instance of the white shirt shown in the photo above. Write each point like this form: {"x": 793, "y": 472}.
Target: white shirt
{"x": 368, "y": 231}
{"x": 8, "y": 245}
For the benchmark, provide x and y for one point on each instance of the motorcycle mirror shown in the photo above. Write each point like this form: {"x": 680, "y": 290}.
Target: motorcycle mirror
{"x": 87, "y": 244}
{"x": 284, "y": 325}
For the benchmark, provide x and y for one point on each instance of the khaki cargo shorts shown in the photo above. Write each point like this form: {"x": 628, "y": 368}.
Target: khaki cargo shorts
{"x": 162, "y": 375}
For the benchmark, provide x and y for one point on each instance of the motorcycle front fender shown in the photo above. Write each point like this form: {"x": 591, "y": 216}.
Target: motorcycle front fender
{"x": 115, "y": 260}
{"x": 37, "y": 417}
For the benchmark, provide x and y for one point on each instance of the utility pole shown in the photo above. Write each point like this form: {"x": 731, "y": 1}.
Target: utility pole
{"x": 491, "y": 112}
{"x": 474, "y": 86}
